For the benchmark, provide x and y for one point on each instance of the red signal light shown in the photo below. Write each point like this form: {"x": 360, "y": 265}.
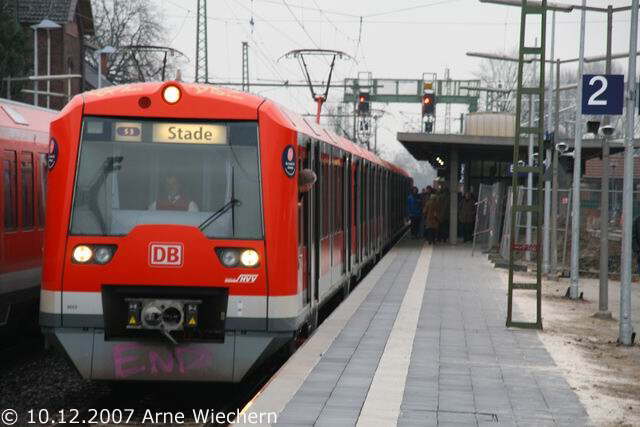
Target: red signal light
{"x": 428, "y": 104}
{"x": 363, "y": 103}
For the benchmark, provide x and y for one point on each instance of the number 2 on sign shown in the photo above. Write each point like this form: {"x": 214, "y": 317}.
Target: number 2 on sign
{"x": 593, "y": 99}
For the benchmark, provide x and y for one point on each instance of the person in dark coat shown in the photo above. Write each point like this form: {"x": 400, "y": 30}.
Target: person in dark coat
{"x": 467, "y": 216}
{"x": 443, "y": 215}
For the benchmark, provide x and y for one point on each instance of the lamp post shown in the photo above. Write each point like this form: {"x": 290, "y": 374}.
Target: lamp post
{"x": 48, "y": 25}
{"x": 626, "y": 328}
{"x": 603, "y": 300}
{"x": 104, "y": 51}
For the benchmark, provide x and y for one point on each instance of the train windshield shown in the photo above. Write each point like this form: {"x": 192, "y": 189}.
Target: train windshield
{"x": 133, "y": 172}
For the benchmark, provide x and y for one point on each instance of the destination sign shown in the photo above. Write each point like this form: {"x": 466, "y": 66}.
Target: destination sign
{"x": 183, "y": 133}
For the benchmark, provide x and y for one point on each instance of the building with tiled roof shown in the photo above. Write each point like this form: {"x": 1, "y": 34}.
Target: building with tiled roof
{"x": 67, "y": 43}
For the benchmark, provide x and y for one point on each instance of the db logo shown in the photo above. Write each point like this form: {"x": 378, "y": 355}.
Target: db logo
{"x": 166, "y": 254}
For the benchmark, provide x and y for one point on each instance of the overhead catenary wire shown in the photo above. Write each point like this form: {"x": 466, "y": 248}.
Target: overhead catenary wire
{"x": 406, "y": 9}
{"x": 317, "y": 9}
{"x": 263, "y": 57}
{"x": 300, "y": 24}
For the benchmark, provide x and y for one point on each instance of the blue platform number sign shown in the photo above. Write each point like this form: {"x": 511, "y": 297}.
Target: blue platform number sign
{"x": 602, "y": 94}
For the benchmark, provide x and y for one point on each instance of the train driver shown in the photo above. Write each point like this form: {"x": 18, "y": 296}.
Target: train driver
{"x": 173, "y": 199}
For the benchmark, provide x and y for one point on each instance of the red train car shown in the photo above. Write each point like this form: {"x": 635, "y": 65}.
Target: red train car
{"x": 179, "y": 245}
{"x": 24, "y": 131}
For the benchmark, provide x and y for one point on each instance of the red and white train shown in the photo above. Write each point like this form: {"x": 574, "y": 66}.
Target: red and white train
{"x": 179, "y": 243}
{"x": 24, "y": 131}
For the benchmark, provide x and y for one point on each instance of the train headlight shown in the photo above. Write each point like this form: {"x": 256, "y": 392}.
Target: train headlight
{"x": 238, "y": 257}
{"x": 249, "y": 258}
{"x": 103, "y": 254}
{"x": 229, "y": 257}
{"x": 82, "y": 254}
{"x": 171, "y": 94}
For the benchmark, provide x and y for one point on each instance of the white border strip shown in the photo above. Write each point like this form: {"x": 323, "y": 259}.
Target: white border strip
{"x": 284, "y": 384}
{"x": 382, "y": 405}
{"x": 238, "y": 306}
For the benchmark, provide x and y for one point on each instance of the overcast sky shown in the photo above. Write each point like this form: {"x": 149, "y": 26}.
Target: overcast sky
{"x": 403, "y": 39}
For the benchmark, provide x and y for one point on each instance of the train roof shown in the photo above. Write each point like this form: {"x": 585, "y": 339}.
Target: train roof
{"x": 17, "y": 115}
{"x": 245, "y": 105}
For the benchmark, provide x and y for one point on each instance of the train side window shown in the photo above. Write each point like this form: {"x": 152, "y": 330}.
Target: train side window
{"x": 42, "y": 193}
{"x": 9, "y": 184}
{"x": 27, "y": 181}
{"x": 325, "y": 192}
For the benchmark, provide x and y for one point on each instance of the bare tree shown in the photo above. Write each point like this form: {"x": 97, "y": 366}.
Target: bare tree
{"x": 13, "y": 48}
{"x": 502, "y": 76}
{"x": 127, "y": 25}
{"x": 497, "y": 74}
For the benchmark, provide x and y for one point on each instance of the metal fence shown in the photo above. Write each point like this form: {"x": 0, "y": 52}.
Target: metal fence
{"x": 489, "y": 211}
{"x": 589, "y": 254}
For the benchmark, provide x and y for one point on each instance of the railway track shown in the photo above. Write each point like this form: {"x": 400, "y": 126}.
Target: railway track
{"x": 42, "y": 386}
{"x": 17, "y": 348}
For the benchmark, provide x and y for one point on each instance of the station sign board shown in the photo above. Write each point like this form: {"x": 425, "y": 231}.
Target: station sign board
{"x": 602, "y": 94}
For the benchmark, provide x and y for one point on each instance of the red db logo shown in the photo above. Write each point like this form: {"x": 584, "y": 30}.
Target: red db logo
{"x": 165, "y": 254}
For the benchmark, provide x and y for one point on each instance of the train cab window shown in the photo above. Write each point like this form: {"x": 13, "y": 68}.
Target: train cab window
{"x": 42, "y": 191}
{"x": 203, "y": 174}
{"x": 9, "y": 185}
{"x": 27, "y": 181}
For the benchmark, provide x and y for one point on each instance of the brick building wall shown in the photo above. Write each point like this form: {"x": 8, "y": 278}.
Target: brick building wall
{"x": 67, "y": 47}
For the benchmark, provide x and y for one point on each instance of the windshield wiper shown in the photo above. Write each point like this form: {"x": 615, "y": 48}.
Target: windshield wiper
{"x": 89, "y": 196}
{"x": 217, "y": 214}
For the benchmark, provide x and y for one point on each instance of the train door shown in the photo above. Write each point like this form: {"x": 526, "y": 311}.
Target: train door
{"x": 365, "y": 210}
{"x": 369, "y": 210}
{"x": 357, "y": 196}
{"x": 316, "y": 221}
{"x": 10, "y": 203}
{"x": 337, "y": 209}
{"x": 362, "y": 209}
{"x": 304, "y": 263}
{"x": 324, "y": 246}
{"x": 346, "y": 213}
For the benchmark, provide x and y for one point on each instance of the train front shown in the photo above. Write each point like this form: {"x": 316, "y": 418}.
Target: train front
{"x": 155, "y": 259}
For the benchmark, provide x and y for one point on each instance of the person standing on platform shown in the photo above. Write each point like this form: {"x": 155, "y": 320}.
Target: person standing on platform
{"x": 467, "y": 216}
{"x": 443, "y": 216}
{"x": 432, "y": 218}
{"x": 415, "y": 212}
{"x": 428, "y": 194}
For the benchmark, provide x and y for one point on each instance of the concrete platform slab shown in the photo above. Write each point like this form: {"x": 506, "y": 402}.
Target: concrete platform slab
{"x": 422, "y": 341}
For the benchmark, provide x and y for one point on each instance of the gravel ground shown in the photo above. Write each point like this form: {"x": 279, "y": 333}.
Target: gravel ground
{"x": 44, "y": 379}
{"x": 605, "y": 375}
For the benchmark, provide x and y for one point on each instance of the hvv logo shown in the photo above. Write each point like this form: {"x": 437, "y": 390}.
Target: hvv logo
{"x": 166, "y": 254}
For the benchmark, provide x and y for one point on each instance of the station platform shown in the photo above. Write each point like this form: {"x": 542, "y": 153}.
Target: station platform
{"x": 421, "y": 341}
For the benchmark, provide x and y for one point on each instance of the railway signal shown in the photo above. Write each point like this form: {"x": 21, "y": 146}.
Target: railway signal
{"x": 363, "y": 103}
{"x": 428, "y": 104}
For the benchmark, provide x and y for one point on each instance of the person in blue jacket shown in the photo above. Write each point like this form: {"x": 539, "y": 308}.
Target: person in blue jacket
{"x": 415, "y": 212}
